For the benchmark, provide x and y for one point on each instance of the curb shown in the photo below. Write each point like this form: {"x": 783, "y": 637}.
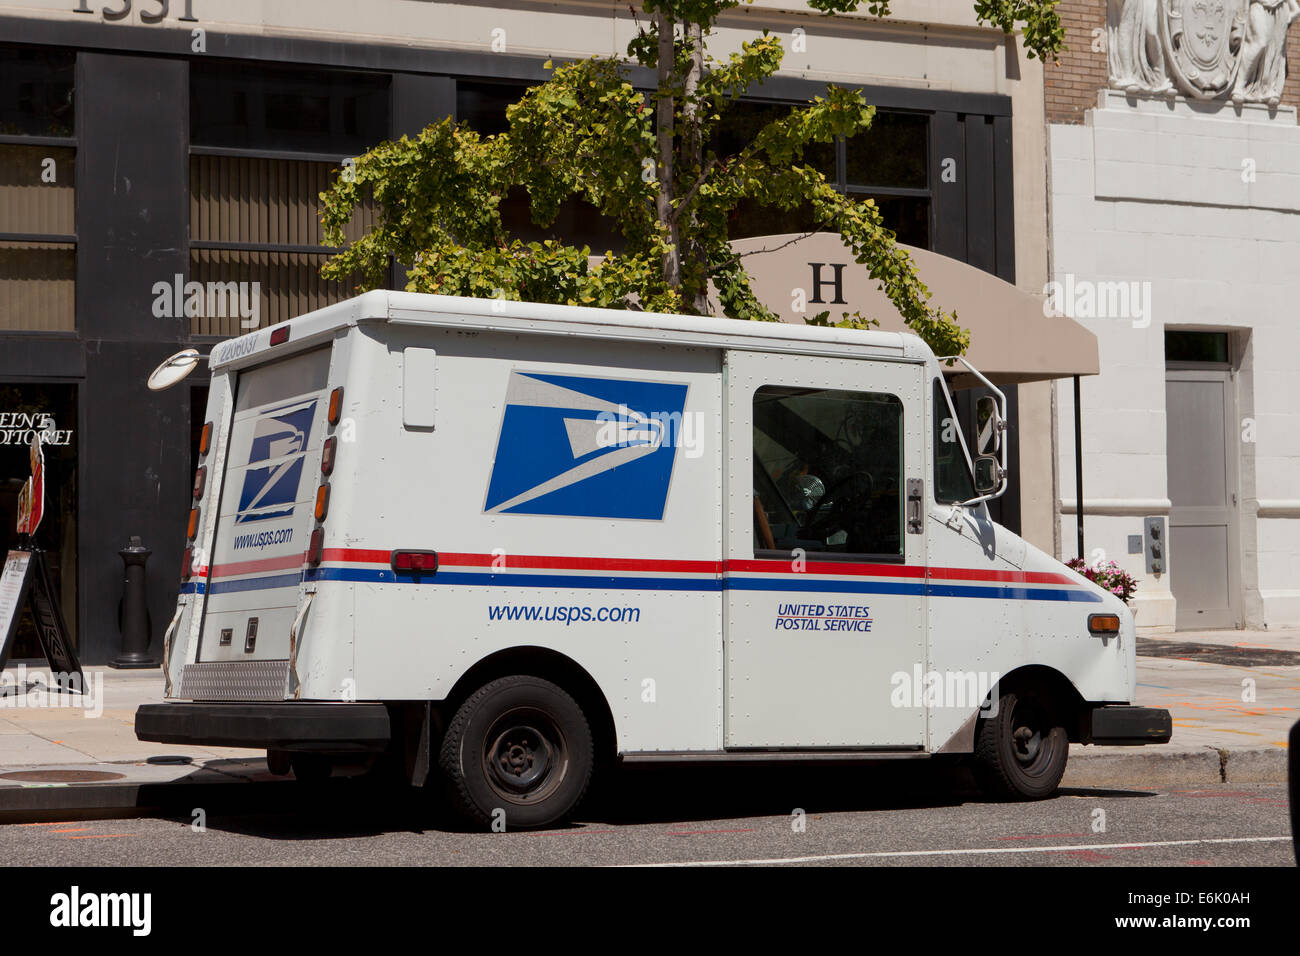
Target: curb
{"x": 1195, "y": 767}
{"x": 47, "y": 802}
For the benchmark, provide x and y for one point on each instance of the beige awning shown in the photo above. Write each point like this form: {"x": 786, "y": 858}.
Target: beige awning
{"x": 1011, "y": 339}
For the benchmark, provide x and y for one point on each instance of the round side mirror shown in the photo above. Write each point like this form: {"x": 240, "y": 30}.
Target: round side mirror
{"x": 173, "y": 370}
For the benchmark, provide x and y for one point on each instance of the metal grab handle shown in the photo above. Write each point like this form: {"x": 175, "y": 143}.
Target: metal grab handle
{"x": 294, "y": 631}
{"x": 167, "y": 650}
{"x": 915, "y": 488}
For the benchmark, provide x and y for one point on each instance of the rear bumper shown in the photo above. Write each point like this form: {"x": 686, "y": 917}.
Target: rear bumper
{"x": 267, "y": 726}
{"x": 1130, "y": 726}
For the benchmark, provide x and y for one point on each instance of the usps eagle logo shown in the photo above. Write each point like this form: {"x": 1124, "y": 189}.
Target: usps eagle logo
{"x": 279, "y": 438}
{"x": 585, "y": 447}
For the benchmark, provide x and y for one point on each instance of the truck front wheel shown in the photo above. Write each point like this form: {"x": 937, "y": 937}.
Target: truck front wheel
{"x": 1020, "y": 752}
{"x": 517, "y": 755}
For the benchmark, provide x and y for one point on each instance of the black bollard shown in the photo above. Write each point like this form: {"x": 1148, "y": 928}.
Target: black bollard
{"x": 135, "y": 610}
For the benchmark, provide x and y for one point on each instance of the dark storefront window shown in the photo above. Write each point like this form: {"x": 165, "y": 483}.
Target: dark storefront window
{"x": 37, "y": 190}
{"x": 888, "y": 164}
{"x": 36, "y": 87}
{"x": 287, "y": 110}
{"x": 1185, "y": 346}
{"x": 892, "y": 153}
{"x": 263, "y": 148}
{"x": 52, "y": 410}
{"x": 482, "y": 107}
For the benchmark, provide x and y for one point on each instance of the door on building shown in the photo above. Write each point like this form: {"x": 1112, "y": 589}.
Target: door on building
{"x": 51, "y": 409}
{"x": 1202, "y": 464}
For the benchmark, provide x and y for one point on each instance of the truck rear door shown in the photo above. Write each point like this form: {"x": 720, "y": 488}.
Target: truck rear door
{"x": 265, "y": 516}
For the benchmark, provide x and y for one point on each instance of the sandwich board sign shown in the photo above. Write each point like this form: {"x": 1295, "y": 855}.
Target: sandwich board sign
{"x": 26, "y": 577}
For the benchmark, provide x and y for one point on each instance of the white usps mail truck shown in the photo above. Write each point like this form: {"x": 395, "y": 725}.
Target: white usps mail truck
{"x": 501, "y": 544}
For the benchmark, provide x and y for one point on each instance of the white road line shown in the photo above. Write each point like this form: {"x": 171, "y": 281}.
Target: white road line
{"x": 970, "y": 852}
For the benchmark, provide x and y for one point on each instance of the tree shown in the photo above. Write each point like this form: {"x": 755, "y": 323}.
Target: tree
{"x": 645, "y": 162}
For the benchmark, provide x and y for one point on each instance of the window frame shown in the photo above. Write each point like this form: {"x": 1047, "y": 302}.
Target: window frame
{"x": 860, "y": 191}
{"x": 832, "y": 557}
{"x": 938, "y": 383}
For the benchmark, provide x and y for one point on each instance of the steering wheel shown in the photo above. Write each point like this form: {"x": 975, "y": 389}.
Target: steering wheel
{"x": 837, "y": 510}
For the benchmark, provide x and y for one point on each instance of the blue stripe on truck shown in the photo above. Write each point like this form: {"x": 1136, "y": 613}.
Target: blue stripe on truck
{"x": 599, "y": 582}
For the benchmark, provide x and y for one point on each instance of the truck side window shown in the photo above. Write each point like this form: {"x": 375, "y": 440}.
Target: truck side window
{"x": 952, "y": 477}
{"x": 828, "y": 472}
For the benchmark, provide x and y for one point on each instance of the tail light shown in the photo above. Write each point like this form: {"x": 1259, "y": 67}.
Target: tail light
{"x": 415, "y": 562}
{"x": 280, "y": 335}
{"x": 200, "y": 478}
{"x": 336, "y": 405}
{"x": 205, "y": 439}
{"x": 317, "y": 547}
{"x": 327, "y": 455}
{"x": 187, "y": 567}
{"x": 322, "y": 502}
{"x": 192, "y": 529}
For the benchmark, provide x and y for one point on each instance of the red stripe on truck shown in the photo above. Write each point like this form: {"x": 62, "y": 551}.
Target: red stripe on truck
{"x": 261, "y": 564}
{"x": 761, "y": 566}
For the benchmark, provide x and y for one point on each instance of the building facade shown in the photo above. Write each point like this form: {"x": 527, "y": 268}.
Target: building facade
{"x": 160, "y": 165}
{"x": 1175, "y": 211}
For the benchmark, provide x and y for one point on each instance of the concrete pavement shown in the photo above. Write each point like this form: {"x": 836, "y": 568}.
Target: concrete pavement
{"x": 1233, "y": 696}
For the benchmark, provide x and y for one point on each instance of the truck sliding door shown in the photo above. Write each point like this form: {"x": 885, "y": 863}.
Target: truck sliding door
{"x": 825, "y": 626}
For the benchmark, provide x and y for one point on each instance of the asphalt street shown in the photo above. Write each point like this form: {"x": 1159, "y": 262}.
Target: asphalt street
{"x": 648, "y": 816}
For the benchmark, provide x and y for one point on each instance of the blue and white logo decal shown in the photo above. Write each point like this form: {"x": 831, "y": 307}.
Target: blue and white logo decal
{"x": 585, "y": 447}
{"x": 270, "y": 492}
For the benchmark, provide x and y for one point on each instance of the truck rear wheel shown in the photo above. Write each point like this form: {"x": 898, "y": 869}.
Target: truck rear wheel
{"x": 1020, "y": 752}
{"x": 518, "y": 754}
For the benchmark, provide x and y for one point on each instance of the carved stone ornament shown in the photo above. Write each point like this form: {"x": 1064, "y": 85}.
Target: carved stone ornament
{"x": 1205, "y": 49}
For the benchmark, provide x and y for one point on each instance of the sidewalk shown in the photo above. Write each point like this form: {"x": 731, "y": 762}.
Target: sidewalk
{"x": 1206, "y": 680}
{"x": 56, "y": 759}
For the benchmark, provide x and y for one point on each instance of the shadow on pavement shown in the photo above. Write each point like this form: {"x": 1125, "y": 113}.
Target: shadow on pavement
{"x": 342, "y": 808}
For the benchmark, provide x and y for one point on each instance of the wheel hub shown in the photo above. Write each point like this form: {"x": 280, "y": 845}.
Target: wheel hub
{"x": 522, "y": 757}
{"x": 1027, "y": 742}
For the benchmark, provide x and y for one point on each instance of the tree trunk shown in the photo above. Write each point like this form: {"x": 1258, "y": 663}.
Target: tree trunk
{"x": 695, "y": 272}
{"x": 664, "y": 132}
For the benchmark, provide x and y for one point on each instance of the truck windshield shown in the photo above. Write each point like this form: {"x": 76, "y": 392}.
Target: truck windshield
{"x": 952, "y": 477}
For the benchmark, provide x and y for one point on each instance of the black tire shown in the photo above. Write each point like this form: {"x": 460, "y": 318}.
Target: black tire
{"x": 279, "y": 762}
{"x": 311, "y": 767}
{"x": 518, "y": 754}
{"x": 1020, "y": 752}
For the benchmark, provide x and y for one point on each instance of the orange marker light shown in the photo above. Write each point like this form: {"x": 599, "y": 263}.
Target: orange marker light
{"x": 336, "y": 405}
{"x": 193, "y": 528}
{"x": 322, "y": 502}
{"x": 1103, "y": 623}
{"x": 205, "y": 439}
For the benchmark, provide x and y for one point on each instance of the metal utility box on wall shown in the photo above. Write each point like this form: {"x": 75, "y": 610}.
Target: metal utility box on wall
{"x": 1155, "y": 545}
